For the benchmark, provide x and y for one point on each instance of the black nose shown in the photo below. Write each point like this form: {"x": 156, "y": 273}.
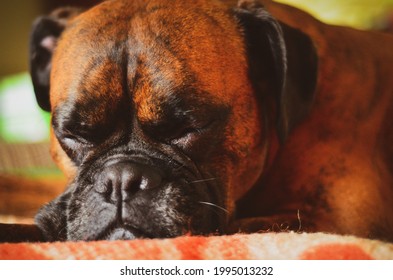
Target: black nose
{"x": 121, "y": 180}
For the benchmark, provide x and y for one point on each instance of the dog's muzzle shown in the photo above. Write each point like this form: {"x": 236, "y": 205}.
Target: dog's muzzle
{"x": 126, "y": 198}
{"x": 117, "y": 184}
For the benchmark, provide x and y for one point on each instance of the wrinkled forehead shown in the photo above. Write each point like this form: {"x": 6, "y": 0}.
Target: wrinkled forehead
{"x": 151, "y": 49}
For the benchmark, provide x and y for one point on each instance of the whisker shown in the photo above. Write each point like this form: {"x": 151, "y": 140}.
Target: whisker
{"x": 202, "y": 180}
{"x": 179, "y": 167}
{"x": 300, "y": 221}
{"x": 214, "y": 205}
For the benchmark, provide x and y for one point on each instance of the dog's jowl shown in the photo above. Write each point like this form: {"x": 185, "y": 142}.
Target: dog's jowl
{"x": 206, "y": 117}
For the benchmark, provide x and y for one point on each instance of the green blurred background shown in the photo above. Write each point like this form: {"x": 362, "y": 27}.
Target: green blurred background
{"x": 363, "y": 14}
{"x": 24, "y": 127}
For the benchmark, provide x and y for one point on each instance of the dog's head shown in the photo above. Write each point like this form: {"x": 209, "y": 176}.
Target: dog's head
{"x": 162, "y": 113}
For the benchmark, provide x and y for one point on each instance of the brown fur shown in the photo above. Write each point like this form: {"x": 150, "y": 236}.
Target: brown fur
{"x": 215, "y": 42}
{"x": 335, "y": 167}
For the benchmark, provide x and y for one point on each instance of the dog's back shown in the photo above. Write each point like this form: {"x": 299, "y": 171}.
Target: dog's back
{"x": 338, "y": 163}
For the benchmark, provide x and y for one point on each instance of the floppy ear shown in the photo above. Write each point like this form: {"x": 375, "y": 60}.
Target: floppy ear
{"x": 285, "y": 58}
{"x": 46, "y": 31}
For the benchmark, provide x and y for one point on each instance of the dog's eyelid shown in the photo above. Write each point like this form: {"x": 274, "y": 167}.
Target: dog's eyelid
{"x": 71, "y": 135}
{"x": 170, "y": 133}
{"x": 74, "y": 146}
{"x": 70, "y": 141}
{"x": 83, "y": 133}
{"x": 78, "y": 139}
{"x": 188, "y": 133}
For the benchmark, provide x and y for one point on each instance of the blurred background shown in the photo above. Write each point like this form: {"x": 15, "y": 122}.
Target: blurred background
{"x": 28, "y": 178}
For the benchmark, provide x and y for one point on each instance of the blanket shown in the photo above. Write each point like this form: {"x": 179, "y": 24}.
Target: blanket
{"x": 273, "y": 246}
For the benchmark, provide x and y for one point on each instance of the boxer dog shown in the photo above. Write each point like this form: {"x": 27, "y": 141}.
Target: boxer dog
{"x": 207, "y": 117}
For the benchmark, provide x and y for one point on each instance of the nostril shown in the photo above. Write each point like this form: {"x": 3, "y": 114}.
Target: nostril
{"x": 131, "y": 180}
{"x": 107, "y": 184}
{"x": 120, "y": 180}
{"x": 150, "y": 179}
{"x": 140, "y": 178}
{"x": 144, "y": 184}
{"x": 104, "y": 187}
{"x": 106, "y": 191}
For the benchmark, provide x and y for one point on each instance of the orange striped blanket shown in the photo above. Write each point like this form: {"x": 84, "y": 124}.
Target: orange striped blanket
{"x": 240, "y": 246}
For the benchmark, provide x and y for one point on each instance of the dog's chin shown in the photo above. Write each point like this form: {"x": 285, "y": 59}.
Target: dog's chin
{"x": 121, "y": 234}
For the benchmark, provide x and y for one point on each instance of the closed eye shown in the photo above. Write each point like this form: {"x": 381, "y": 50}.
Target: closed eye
{"x": 175, "y": 132}
{"x": 187, "y": 134}
{"x": 75, "y": 146}
{"x": 73, "y": 140}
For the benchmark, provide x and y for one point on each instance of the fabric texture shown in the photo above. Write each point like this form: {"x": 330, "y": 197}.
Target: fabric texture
{"x": 273, "y": 246}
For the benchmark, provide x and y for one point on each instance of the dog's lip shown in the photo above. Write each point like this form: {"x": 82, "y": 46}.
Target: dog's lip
{"x": 121, "y": 232}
